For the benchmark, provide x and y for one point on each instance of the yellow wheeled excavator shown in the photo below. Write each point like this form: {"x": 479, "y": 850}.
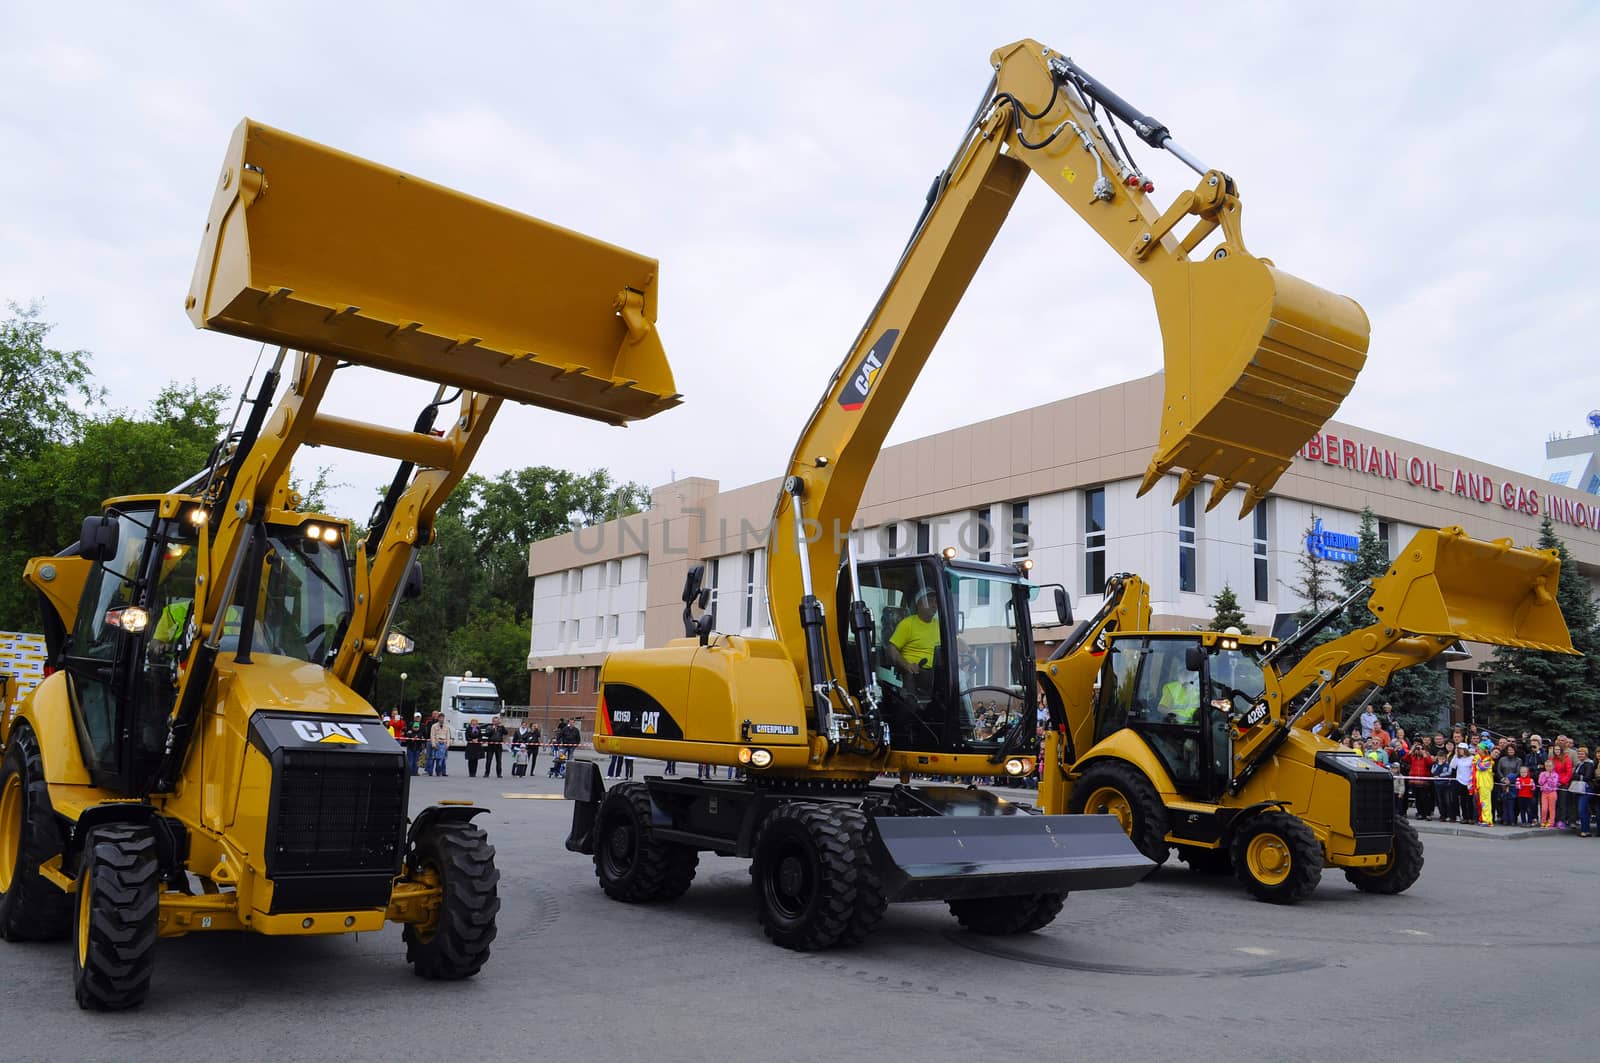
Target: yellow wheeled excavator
{"x": 204, "y": 755}
{"x": 1220, "y": 743}
{"x": 929, "y": 667}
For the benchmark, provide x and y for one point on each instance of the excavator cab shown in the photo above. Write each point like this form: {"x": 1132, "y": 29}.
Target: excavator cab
{"x": 952, "y": 653}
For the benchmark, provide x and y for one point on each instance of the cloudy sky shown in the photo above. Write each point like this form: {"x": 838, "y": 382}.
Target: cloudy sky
{"x": 1435, "y": 161}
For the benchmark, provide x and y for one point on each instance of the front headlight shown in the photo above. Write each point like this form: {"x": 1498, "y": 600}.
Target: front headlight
{"x": 760, "y": 758}
{"x": 1015, "y": 766}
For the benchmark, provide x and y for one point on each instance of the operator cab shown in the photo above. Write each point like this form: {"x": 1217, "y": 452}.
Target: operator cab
{"x": 952, "y": 651}
{"x": 1182, "y": 694}
{"x": 132, "y": 638}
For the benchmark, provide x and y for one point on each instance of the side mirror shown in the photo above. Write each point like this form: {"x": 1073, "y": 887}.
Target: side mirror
{"x": 1063, "y": 607}
{"x": 703, "y": 599}
{"x": 1193, "y": 658}
{"x": 413, "y": 584}
{"x": 692, "y": 581}
{"x": 97, "y": 539}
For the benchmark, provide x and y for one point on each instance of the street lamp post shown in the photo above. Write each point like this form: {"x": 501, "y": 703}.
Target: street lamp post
{"x": 403, "y": 696}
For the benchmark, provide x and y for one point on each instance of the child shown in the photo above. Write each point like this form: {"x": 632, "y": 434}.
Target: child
{"x": 1524, "y": 785}
{"x": 1399, "y": 790}
{"x": 1549, "y": 783}
{"x": 1444, "y": 788}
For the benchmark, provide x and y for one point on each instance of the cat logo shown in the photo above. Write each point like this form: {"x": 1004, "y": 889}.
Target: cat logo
{"x": 328, "y": 731}
{"x": 650, "y": 722}
{"x": 866, "y": 374}
{"x": 1102, "y": 640}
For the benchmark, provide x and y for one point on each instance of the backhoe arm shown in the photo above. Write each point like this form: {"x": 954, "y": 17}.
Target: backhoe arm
{"x": 1255, "y": 360}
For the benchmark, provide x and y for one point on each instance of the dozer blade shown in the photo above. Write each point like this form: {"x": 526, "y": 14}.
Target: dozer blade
{"x": 321, "y": 251}
{"x": 953, "y": 857}
{"x": 1447, "y": 584}
{"x": 1256, "y": 362}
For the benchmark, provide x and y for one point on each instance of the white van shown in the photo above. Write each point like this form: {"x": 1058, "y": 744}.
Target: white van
{"x": 464, "y": 698}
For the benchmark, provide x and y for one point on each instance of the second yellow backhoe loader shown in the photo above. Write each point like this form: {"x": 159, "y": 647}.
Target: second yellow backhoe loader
{"x": 928, "y": 668}
{"x": 204, "y": 755}
{"x": 1219, "y": 743}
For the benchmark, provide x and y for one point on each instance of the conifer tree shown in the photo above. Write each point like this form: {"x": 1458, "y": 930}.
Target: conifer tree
{"x": 1226, "y": 612}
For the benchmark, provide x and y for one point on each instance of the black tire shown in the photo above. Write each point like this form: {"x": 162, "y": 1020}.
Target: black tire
{"x": 813, "y": 878}
{"x": 630, "y": 862}
{"x": 1402, "y": 870}
{"x": 1143, "y": 815}
{"x": 1206, "y": 861}
{"x": 456, "y": 944}
{"x": 117, "y": 917}
{"x": 31, "y": 908}
{"x": 1277, "y": 857}
{"x": 1008, "y": 915}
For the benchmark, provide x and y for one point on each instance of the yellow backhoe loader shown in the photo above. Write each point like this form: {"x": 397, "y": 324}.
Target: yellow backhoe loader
{"x": 1219, "y": 743}
{"x": 929, "y": 669}
{"x": 204, "y": 755}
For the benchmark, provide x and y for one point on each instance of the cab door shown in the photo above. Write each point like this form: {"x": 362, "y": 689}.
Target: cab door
{"x": 1149, "y": 686}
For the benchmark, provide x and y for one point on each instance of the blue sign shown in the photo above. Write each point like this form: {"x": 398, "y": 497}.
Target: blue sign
{"x": 1331, "y": 546}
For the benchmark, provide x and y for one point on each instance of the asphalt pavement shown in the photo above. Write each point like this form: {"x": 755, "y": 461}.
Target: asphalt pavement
{"x": 1486, "y": 958}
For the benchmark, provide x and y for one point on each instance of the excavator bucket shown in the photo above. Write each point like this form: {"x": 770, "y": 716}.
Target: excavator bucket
{"x": 984, "y": 846}
{"x": 1447, "y": 584}
{"x": 1257, "y": 361}
{"x": 317, "y": 250}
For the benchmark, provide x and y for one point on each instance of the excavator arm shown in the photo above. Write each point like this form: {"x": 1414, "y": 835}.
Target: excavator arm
{"x": 350, "y": 263}
{"x": 1442, "y": 588}
{"x": 1255, "y": 360}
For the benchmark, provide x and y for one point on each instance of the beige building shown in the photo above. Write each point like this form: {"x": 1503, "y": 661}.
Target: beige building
{"x": 1055, "y": 483}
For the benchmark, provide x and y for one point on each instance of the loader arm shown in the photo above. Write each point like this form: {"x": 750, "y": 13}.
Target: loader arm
{"x": 1255, "y": 359}
{"x": 1443, "y": 587}
{"x": 346, "y": 262}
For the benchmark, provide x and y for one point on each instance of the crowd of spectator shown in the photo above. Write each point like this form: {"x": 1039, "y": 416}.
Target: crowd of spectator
{"x": 1478, "y": 776}
{"x": 427, "y": 744}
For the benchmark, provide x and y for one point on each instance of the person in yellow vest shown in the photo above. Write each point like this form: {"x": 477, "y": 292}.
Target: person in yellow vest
{"x": 1180, "y": 697}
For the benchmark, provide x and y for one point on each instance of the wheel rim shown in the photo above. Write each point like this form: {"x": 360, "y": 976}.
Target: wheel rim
{"x": 1268, "y": 858}
{"x": 620, "y": 849}
{"x": 83, "y": 915}
{"x": 790, "y": 883}
{"x": 1110, "y": 801}
{"x": 10, "y": 832}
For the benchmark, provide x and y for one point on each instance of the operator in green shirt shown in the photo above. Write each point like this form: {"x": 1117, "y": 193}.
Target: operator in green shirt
{"x": 917, "y": 636}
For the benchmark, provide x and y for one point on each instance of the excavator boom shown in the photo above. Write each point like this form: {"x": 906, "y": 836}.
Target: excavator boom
{"x": 1256, "y": 360}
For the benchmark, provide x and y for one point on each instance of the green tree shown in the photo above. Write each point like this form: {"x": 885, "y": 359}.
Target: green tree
{"x": 476, "y": 603}
{"x": 1554, "y": 692}
{"x": 38, "y": 385}
{"x": 44, "y": 498}
{"x": 1226, "y": 612}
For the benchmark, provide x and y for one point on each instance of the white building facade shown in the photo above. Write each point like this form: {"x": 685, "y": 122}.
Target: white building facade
{"x": 1058, "y": 484}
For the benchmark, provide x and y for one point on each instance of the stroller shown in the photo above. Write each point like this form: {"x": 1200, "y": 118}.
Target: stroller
{"x": 558, "y": 764}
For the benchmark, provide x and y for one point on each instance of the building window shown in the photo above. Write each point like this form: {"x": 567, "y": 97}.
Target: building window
{"x": 638, "y": 621}
{"x": 891, "y": 540}
{"x": 1474, "y": 695}
{"x": 750, "y": 589}
{"x": 1094, "y": 541}
{"x": 577, "y": 581}
{"x": 924, "y": 537}
{"x": 561, "y": 680}
{"x": 713, "y": 575}
{"x": 1383, "y": 539}
{"x": 1263, "y": 575}
{"x": 1594, "y": 485}
{"x": 1560, "y": 477}
{"x": 983, "y": 535}
{"x": 1186, "y": 544}
{"x": 596, "y": 688}
{"x": 614, "y": 573}
{"x": 572, "y": 680}
{"x": 611, "y": 626}
{"x": 1021, "y": 541}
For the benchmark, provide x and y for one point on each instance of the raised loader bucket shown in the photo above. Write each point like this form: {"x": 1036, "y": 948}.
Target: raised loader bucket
{"x": 317, "y": 250}
{"x": 1447, "y": 584}
{"x": 1001, "y": 851}
{"x": 1256, "y": 362}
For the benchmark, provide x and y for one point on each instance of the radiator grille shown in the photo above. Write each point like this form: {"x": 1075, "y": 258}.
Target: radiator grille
{"x": 338, "y": 813}
{"x": 1371, "y": 804}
